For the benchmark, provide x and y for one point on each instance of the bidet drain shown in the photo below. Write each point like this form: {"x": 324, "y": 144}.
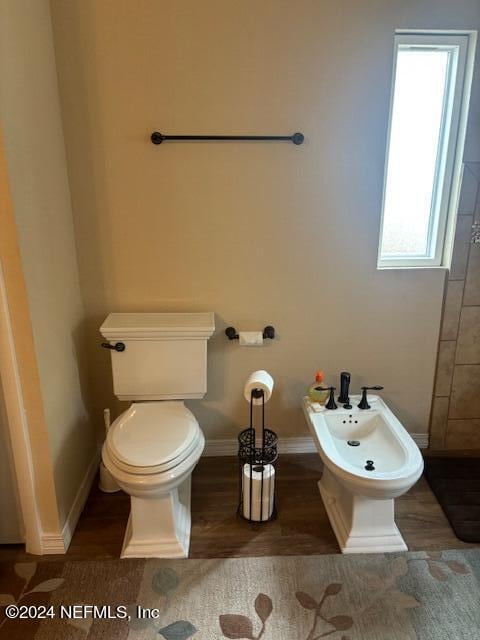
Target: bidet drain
{"x": 353, "y": 443}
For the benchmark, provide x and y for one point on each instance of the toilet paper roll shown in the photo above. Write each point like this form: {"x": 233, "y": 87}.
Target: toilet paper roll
{"x": 250, "y": 338}
{"x": 252, "y": 483}
{"x": 259, "y": 380}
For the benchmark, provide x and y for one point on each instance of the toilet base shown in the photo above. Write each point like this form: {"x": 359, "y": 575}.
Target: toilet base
{"x": 360, "y": 524}
{"x": 159, "y": 527}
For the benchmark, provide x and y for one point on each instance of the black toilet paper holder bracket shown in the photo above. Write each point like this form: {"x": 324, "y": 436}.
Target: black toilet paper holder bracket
{"x": 268, "y": 333}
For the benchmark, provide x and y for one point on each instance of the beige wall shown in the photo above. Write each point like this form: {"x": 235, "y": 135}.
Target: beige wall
{"x": 34, "y": 144}
{"x": 265, "y": 233}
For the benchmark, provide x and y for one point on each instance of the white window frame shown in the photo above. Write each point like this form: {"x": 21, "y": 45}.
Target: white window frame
{"x": 449, "y": 160}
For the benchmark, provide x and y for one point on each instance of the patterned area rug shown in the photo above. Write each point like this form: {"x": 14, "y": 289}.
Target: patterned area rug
{"x": 380, "y": 597}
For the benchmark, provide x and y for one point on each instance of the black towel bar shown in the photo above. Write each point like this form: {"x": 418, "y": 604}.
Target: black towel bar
{"x": 158, "y": 138}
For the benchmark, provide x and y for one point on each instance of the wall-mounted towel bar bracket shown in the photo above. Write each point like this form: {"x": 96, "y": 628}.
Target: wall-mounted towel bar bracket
{"x": 158, "y": 138}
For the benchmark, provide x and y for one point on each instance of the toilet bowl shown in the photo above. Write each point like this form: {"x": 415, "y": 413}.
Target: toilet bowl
{"x": 158, "y": 360}
{"x": 151, "y": 450}
{"x": 369, "y": 460}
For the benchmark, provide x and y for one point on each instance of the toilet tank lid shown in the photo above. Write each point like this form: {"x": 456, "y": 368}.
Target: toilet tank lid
{"x": 141, "y": 326}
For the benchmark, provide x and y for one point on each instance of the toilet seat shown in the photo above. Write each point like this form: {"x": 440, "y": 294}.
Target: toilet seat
{"x": 152, "y": 437}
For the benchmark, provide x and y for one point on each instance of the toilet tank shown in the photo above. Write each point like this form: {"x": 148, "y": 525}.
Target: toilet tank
{"x": 165, "y": 355}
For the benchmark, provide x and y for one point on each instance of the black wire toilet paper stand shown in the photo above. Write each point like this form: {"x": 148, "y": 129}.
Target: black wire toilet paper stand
{"x": 257, "y": 458}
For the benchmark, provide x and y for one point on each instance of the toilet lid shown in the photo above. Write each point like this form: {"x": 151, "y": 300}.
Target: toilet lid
{"x": 152, "y": 434}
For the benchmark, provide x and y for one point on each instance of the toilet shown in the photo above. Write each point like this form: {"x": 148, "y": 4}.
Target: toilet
{"x": 369, "y": 459}
{"x": 158, "y": 361}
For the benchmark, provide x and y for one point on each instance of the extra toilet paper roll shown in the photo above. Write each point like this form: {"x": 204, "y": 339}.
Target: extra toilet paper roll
{"x": 262, "y": 509}
{"x": 250, "y": 338}
{"x": 259, "y": 380}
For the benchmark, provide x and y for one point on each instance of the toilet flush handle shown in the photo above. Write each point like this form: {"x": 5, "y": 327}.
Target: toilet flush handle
{"x": 119, "y": 346}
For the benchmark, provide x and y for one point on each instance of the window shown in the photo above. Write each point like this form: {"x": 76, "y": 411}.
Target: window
{"x": 429, "y": 103}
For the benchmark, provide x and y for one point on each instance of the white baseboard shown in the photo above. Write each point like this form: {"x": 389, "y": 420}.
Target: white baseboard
{"x": 58, "y": 542}
{"x": 80, "y": 499}
{"x": 421, "y": 439}
{"x": 52, "y": 543}
{"x": 295, "y": 444}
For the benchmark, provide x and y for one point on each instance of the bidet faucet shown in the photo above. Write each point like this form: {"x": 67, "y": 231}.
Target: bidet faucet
{"x": 343, "y": 398}
{"x": 363, "y": 404}
{"x": 331, "y": 404}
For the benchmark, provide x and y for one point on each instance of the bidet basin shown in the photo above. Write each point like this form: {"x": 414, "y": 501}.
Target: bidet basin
{"x": 358, "y": 438}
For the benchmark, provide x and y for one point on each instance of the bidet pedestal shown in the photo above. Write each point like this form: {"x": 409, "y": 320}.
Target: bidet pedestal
{"x": 159, "y": 527}
{"x": 360, "y": 524}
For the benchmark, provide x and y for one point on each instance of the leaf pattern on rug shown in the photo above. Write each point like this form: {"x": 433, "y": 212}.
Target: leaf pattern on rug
{"x": 134, "y": 621}
{"x": 165, "y": 580}
{"x": 82, "y": 624}
{"x": 339, "y": 622}
{"x": 399, "y": 567}
{"x": 47, "y": 586}
{"x": 401, "y": 600}
{"x": 263, "y": 607}
{"x": 26, "y": 571}
{"x": 440, "y": 567}
{"x": 457, "y": 567}
{"x": 235, "y": 626}
{"x": 179, "y": 630}
{"x": 384, "y": 591}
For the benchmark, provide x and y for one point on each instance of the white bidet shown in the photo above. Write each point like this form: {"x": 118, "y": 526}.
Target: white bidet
{"x": 369, "y": 460}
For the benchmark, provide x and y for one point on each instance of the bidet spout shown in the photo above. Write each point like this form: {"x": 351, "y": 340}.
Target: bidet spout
{"x": 343, "y": 398}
